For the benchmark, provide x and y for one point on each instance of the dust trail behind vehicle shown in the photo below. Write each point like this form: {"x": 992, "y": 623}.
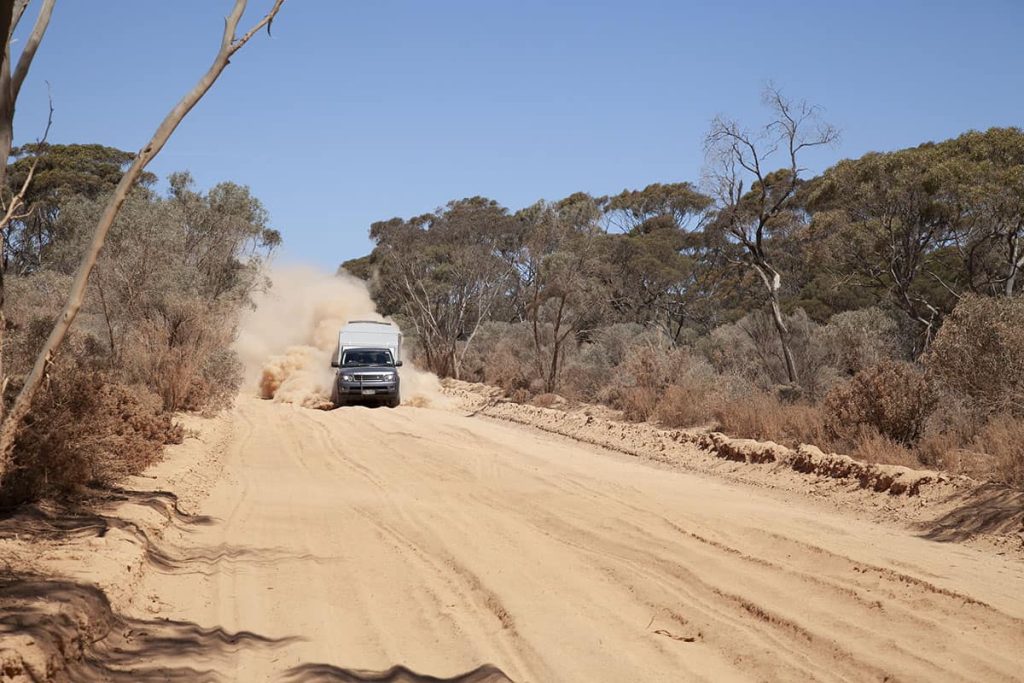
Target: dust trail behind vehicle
{"x": 286, "y": 341}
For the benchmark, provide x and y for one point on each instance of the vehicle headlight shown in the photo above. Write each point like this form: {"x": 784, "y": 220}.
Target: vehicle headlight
{"x": 348, "y": 378}
{"x": 389, "y": 376}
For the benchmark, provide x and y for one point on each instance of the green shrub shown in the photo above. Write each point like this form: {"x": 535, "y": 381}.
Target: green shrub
{"x": 857, "y": 340}
{"x": 979, "y": 353}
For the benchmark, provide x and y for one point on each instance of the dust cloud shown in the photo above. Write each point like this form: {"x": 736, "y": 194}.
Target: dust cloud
{"x": 286, "y": 342}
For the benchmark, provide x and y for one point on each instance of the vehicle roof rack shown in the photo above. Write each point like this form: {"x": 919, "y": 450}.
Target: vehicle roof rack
{"x": 375, "y": 322}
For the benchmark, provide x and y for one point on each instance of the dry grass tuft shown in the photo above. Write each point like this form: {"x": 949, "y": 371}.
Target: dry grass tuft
{"x": 685, "y": 406}
{"x": 762, "y": 416}
{"x": 1002, "y": 440}
{"x": 871, "y": 446}
{"x": 547, "y": 400}
{"x": 636, "y": 403}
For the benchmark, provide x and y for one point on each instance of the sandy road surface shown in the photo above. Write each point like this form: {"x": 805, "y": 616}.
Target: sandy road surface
{"x": 427, "y": 539}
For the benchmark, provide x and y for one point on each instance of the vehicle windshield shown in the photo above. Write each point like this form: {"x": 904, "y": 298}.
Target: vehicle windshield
{"x": 361, "y": 358}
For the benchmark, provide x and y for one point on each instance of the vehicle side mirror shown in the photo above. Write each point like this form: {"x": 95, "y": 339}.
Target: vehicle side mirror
{"x": 335, "y": 364}
{"x": 398, "y": 364}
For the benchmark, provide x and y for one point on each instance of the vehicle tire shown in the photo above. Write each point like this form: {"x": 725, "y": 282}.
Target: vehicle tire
{"x": 394, "y": 402}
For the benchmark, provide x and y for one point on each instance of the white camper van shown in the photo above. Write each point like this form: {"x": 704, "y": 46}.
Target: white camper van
{"x": 369, "y": 355}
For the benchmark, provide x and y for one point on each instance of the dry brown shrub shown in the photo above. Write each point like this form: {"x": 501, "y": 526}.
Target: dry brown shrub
{"x": 857, "y": 340}
{"x": 691, "y": 400}
{"x": 743, "y": 349}
{"x": 215, "y": 388}
{"x": 993, "y": 451}
{"x": 979, "y": 352}
{"x": 644, "y": 380}
{"x": 184, "y": 357}
{"x": 519, "y": 396}
{"x": 684, "y": 406}
{"x": 638, "y": 381}
{"x": 941, "y": 450}
{"x": 582, "y": 381}
{"x": 84, "y": 429}
{"x": 637, "y": 403}
{"x": 949, "y": 431}
{"x": 804, "y": 423}
{"x": 546, "y": 400}
{"x": 506, "y": 370}
{"x": 500, "y": 355}
{"x": 750, "y": 348}
{"x": 892, "y": 397}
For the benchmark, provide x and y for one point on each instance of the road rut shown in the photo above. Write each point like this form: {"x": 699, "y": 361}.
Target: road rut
{"x": 417, "y": 537}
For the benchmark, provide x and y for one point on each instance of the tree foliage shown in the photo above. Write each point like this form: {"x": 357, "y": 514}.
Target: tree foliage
{"x": 923, "y": 226}
{"x": 562, "y": 278}
{"x": 872, "y": 309}
{"x": 860, "y": 265}
{"x": 60, "y": 173}
{"x": 445, "y": 272}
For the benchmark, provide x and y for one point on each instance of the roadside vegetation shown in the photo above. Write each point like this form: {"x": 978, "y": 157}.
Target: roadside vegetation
{"x": 154, "y": 333}
{"x": 874, "y": 310}
{"x": 117, "y": 302}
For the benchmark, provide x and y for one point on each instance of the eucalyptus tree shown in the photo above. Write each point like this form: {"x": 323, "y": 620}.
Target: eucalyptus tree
{"x": 987, "y": 172}
{"x": 445, "y": 272}
{"x": 655, "y": 247}
{"x": 11, "y": 82}
{"x": 755, "y": 199}
{"x": 563, "y": 276}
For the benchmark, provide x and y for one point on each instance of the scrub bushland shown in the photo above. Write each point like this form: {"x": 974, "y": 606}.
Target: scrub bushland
{"x": 875, "y": 309}
{"x": 154, "y": 336}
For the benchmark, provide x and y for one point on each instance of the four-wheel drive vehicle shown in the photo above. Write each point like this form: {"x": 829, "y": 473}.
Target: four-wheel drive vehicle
{"x": 367, "y": 361}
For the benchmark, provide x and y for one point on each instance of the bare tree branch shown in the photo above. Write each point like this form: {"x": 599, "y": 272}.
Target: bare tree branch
{"x": 19, "y": 199}
{"x": 10, "y": 214}
{"x": 28, "y": 53}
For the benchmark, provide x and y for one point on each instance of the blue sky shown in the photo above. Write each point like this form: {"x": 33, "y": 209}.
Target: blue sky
{"x": 359, "y": 111}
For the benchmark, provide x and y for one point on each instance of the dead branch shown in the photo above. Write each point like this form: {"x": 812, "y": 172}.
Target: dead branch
{"x": 18, "y": 199}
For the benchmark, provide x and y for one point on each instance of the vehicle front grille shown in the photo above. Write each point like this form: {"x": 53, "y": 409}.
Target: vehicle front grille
{"x": 371, "y": 377}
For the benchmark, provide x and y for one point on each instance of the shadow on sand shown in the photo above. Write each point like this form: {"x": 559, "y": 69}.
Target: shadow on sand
{"x": 988, "y": 509}
{"x": 63, "y": 631}
{"x": 54, "y": 630}
{"x": 59, "y": 631}
{"x": 325, "y": 673}
{"x": 89, "y": 517}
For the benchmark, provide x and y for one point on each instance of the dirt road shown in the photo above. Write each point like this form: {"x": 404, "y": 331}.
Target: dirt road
{"x": 420, "y": 537}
